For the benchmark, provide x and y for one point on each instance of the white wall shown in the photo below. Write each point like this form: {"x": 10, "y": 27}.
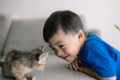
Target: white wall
{"x": 99, "y": 14}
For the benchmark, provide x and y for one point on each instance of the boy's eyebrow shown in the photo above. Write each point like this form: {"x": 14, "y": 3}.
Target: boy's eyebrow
{"x": 58, "y": 42}
{"x": 55, "y": 44}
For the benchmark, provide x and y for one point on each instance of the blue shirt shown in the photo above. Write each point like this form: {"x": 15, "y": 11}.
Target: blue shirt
{"x": 101, "y": 57}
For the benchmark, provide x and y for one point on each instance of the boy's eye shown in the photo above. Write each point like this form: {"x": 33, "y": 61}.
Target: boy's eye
{"x": 53, "y": 48}
{"x": 61, "y": 46}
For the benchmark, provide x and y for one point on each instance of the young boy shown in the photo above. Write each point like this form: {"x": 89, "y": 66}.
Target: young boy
{"x": 65, "y": 35}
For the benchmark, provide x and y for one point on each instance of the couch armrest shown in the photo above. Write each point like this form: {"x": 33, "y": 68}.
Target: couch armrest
{"x": 5, "y": 22}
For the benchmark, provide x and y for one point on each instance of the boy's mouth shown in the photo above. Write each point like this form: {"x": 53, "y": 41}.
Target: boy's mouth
{"x": 65, "y": 57}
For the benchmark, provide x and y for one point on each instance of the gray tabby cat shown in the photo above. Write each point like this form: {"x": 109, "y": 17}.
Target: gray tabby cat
{"x": 19, "y": 64}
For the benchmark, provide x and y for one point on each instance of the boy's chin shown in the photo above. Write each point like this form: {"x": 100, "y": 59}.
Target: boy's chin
{"x": 72, "y": 59}
{"x": 69, "y": 60}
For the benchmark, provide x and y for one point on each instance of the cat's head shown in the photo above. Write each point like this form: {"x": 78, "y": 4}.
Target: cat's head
{"x": 40, "y": 57}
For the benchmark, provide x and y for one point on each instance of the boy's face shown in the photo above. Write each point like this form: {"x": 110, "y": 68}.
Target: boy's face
{"x": 67, "y": 46}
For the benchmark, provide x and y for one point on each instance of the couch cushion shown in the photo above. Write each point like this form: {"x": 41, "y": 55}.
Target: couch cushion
{"x": 5, "y": 22}
{"x": 25, "y": 35}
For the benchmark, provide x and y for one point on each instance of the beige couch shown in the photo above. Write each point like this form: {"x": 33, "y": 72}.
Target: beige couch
{"x": 26, "y": 35}
{"x": 21, "y": 34}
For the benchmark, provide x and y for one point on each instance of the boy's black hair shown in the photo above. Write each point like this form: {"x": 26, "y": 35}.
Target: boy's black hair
{"x": 67, "y": 20}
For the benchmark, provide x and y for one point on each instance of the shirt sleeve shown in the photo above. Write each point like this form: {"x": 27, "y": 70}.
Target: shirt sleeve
{"x": 100, "y": 61}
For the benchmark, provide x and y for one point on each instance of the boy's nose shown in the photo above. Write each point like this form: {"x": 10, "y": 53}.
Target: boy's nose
{"x": 60, "y": 53}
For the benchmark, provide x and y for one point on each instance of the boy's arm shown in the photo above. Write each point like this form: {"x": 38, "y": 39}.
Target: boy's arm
{"x": 89, "y": 72}
{"x": 75, "y": 65}
{"x": 94, "y": 74}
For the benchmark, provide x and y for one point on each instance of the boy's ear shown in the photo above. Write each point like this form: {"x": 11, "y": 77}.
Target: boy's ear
{"x": 80, "y": 34}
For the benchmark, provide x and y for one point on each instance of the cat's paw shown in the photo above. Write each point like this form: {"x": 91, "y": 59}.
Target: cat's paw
{"x": 34, "y": 78}
{"x": 22, "y": 79}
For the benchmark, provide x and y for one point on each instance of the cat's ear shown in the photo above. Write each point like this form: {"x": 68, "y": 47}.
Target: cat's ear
{"x": 42, "y": 48}
{"x": 43, "y": 57}
{"x": 42, "y": 61}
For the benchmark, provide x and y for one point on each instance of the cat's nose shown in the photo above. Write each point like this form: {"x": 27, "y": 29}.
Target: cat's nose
{"x": 40, "y": 66}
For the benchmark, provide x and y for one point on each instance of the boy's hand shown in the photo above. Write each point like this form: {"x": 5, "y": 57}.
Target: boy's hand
{"x": 74, "y": 65}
